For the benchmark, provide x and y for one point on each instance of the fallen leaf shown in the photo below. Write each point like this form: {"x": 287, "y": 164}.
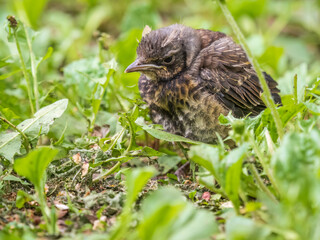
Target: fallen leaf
{"x": 100, "y": 224}
{"x": 226, "y": 205}
{"x": 85, "y": 168}
{"x": 76, "y": 158}
{"x": 77, "y": 187}
{"x": 61, "y": 206}
{"x": 187, "y": 182}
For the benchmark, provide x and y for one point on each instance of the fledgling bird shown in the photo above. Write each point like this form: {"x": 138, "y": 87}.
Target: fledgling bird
{"x": 191, "y": 76}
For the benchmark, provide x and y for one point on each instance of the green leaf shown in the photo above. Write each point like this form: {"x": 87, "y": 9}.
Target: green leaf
{"x": 6, "y": 75}
{"x": 162, "y": 135}
{"x": 271, "y": 56}
{"x": 192, "y": 195}
{"x": 286, "y": 112}
{"x": 45, "y": 57}
{"x": 168, "y": 162}
{"x": 297, "y": 173}
{"x": 15, "y": 179}
{"x": 173, "y": 217}
{"x": 313, "y": 107}
{"x": 145, "y": 152}
{"x": 244, "y": 228}
{"x": 135, "y": 181}
{"x": 10, "y": 143}
{"x": 233, "y": 162}
{"x": 22, "y": 198}
{"x": 286, "y": 82}
{"x": 206, "y": 156}
{"x": 34, "y": 165}
{"x": 84, "y": 75}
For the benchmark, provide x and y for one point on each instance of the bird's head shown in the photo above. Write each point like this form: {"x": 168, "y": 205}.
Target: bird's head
{"x": 164, "y": 53}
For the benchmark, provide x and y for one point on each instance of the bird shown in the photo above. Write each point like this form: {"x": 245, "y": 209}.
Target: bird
{"x": 191, "y": 76}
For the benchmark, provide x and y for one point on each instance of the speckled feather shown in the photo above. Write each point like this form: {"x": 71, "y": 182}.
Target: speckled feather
{"x": 209, "y": 75}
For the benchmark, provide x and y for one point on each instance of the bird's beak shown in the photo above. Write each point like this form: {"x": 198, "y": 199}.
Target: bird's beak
{"x": 137, "y": 66}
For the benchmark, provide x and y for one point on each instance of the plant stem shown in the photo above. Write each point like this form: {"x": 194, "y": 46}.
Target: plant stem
{"x": 263, "y": 163}
{"x": 33, "y": 69}
{"x": 111, "y": 170}
{"x": 45, "y": 210}
{"x": 116, "y": 139}
{"x": 132, "y": 137}
{"x": 26, "y": 141}
{"x": 266, "y": 95}
{"x": 260, "y": 183}
{"x": 98, "y": 103}
{"x": 25, "y": 72}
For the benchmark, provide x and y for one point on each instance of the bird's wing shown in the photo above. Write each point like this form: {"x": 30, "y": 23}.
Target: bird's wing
{"x": 229, "y": 74}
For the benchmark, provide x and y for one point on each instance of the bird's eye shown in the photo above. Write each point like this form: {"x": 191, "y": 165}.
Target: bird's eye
{"x": 168, "y": 60}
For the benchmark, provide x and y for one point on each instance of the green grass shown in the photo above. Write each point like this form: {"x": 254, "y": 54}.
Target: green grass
{"x": 80, "y": 159}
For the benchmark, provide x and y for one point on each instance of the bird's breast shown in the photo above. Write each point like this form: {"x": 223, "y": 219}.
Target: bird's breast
{"x": 184, "y": 107}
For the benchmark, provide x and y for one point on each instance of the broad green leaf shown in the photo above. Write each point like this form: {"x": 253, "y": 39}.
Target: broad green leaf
{"x": 15, "y": 179}
{"x": 22, "y": 198}
{"x": 135, "y": 181}
{"x": 244, "y": 228}
{"x": 84, "y": 75}
{"x": 271, "y": 56}
{"x": 162, "y": 135}
{"x": 168, "y": 162}
{"x": 34, "y": 165}
{"x": 145, "y": 152}
{"x": 286, "y": 112}
{"x": 233, "y": 162}
{"x": 174, "y": 218}
{"x": 313, "y": 107}
{"x": 207, "y": 156}
{"x": 286, "y": 82}
{"x": 296, "y": 164}
{"x": 43, "y": 118}
{"x": 296, "y": 170}
{"x": 10, "y": 143}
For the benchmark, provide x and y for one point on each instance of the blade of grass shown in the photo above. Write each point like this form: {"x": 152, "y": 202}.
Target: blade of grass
{"x": 33, "y": 68}
{"x": 263, "y": 163}
{"x": 260, "y": 183}
{"x": 13, "y": 24}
